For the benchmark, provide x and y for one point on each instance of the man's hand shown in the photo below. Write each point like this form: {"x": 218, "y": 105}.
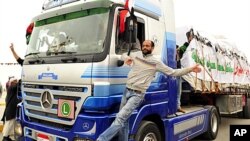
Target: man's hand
{"x": 196, "y": 68}
{"x": 11, "y": 47}
{"x": 128, "y": 61}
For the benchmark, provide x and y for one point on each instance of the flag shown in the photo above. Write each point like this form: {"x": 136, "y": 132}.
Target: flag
{"x": 28, "y": 32}
{"x": 29, "y": 29}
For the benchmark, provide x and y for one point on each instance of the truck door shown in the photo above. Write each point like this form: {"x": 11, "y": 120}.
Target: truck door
{"x": 118, "y": 75}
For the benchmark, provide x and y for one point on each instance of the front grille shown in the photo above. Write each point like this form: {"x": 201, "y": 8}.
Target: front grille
{"x": 33, "y": 103}
{"x": 52, "y": 124}
{"x": 33, "y": 108}
{"x": 53, "y": 87}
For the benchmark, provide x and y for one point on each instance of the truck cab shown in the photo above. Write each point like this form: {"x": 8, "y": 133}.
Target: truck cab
{"x": 72, "y": 85}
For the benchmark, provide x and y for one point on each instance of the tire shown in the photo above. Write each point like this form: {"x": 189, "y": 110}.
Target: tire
{"x": 241, "y": 114}
{"x": 213, "y": 124}
{"x": 148, "y": 131}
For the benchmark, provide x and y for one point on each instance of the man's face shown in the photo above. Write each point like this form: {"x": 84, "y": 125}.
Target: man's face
{"x": 14, "y": 82}
{"x": 147, "y": 47}
{"x": 190, "y": 38}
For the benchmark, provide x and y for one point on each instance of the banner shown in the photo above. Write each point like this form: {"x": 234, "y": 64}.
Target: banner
{"x": 222, "y": 63}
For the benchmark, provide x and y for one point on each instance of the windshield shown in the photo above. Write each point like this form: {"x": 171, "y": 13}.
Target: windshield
{"x": 81, "y": 32}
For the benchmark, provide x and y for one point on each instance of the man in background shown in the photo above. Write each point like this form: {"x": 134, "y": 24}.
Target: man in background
{"x": 9, "y": 115}
{"x": 18, "y": 59}
{"x": 28, "y": 35}
{"x": 180, "y": 51}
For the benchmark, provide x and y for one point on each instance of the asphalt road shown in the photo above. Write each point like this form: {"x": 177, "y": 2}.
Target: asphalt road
{"x": 223, "y": 134}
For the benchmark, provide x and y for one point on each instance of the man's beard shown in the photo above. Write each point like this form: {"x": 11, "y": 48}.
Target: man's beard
{"x": 146, "y": 52}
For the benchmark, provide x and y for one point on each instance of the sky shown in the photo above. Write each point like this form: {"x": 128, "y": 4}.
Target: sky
{"x": 15, "y": 17}
{"x": 230, "y": 18}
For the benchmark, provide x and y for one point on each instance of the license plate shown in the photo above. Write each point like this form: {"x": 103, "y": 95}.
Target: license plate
{"x": 42, "y": 137}
{"x": 66, "y": 108}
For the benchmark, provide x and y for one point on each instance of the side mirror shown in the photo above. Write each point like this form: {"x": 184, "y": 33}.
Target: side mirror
{"x": 120, "y": 63}
{"x": 131, "y": 29}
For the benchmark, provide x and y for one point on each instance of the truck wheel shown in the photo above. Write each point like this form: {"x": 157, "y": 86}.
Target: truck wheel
{"x": 148, "y": 131}
{"x": 213, "y": 124}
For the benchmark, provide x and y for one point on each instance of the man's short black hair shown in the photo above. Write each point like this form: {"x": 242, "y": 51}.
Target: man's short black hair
{"x": 152, "y": 44}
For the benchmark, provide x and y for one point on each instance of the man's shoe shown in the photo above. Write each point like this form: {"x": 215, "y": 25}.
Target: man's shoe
{"x": 181, "y": 110}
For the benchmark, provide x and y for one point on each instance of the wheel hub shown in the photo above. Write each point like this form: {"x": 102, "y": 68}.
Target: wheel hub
{"x": 150, "y": 137}
{"x": 214, "y": 123}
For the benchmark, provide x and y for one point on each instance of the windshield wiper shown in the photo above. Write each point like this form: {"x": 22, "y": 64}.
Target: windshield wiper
{"x": 61, "y": 52}
{"x": 71, "y": 58}
{"x": 32, "y": 53}
{"x": 37, "y": 60}
{"x": 66, "y": 52}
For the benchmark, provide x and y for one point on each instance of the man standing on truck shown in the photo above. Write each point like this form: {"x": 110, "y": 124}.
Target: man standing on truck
{"x": 180, "y": 51}
{"x": 139, "y": 79}
{"x": 28, "y": 34}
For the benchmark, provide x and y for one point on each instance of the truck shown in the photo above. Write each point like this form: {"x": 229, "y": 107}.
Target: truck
{"x": 72, "y": 84}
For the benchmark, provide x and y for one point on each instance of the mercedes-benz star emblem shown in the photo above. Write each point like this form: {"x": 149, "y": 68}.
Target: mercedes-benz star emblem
{"x": 85, "y": 126}
{"x": 46, "y": 99}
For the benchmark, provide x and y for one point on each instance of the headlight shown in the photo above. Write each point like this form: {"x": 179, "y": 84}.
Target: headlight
{"x": 18, "y": 129}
